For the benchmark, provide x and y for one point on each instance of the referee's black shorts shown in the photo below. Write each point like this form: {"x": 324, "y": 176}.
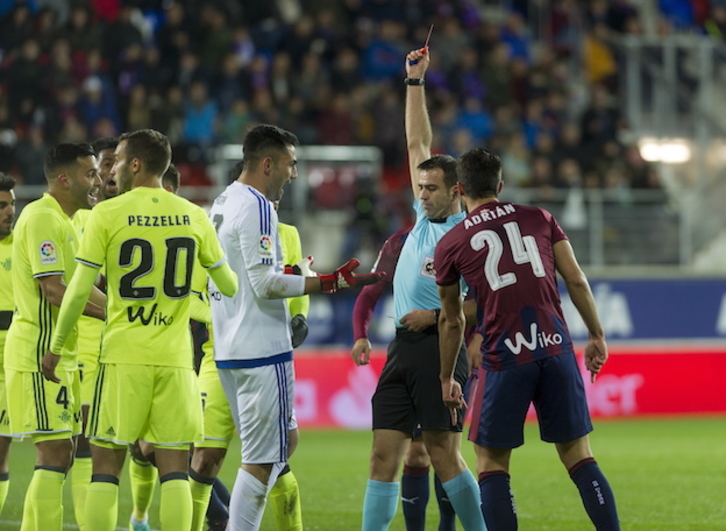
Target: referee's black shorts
{"x": 409, "y": 389}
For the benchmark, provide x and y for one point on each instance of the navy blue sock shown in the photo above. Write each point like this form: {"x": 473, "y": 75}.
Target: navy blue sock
{"x": 218, "y": 509}
{"x": 497, "y": 501}
{"x": 415, "y": 496}
{"x": 596, "y": 494}
{"x": 447, "y": 515}
{"x": 220, "y": 489}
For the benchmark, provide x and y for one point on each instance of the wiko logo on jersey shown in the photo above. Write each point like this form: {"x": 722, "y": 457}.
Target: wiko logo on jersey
{"x": 153, "y": 318}
{"x": 536, "y": 339}
{"x": 427, "y": 268}
{"x": 48, "y": 255}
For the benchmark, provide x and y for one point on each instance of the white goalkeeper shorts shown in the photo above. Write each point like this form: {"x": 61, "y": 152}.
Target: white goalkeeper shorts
{"x": 261, "y": 402}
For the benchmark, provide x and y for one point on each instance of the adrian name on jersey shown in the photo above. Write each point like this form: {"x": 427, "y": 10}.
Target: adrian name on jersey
{"x": 158, "y": 221}
{"x": 488, "y": 215}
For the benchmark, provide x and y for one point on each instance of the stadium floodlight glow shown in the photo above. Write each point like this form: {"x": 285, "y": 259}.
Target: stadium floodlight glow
{"x": 668, "y": 150}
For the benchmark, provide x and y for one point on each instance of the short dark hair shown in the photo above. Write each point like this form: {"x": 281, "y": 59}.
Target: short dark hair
{"x": 150, "y": 147}
{"x": 479, "y": 173}
{"x": 171, "y": 178}
{"x": 445, "y": 163}
{"x": 266, "y": 140}
{"x": 63, "y": 155}
{"x": 6, "y": 182}
{"x": 101, "y": 144}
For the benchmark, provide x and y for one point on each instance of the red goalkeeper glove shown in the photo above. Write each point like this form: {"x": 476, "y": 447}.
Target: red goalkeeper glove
{"x": 343, "y": 278}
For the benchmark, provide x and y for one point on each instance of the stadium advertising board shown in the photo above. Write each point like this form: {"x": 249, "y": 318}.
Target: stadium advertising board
{"x": 667, "y": 341}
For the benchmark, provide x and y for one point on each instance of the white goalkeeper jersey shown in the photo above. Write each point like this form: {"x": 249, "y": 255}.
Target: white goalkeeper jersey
{"x": 249, "y": 331}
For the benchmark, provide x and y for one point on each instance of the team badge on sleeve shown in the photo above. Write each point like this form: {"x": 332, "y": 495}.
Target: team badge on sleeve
{"x": 265, "y": 246}
{"x": 47, "y": 253}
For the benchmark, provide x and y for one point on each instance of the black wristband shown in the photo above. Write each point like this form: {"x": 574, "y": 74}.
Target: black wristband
{"x": 437, "y": 313}
{"x": 414, "y": 81}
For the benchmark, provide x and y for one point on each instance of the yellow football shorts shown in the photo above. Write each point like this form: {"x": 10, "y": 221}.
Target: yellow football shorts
{"x": 44, "y": 409}
{"x": 160, "y": 405}
{"x": 218, "y": 421}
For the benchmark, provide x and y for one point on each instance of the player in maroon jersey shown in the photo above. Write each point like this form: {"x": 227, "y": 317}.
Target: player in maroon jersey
{"x": 509, "y": 255}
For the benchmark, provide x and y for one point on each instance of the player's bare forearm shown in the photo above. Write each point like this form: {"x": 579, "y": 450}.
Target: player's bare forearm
{"x": 470, "y": 312}
{"x": 577, "y": 287}
{"x": 95, "y": 311}
{"x": 451, "y": 328}
{"x": 451, "y": 337}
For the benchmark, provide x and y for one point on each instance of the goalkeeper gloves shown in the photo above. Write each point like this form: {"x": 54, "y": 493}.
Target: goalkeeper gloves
{"x": 299, "y": 329}
{"x": 343, "y": 278}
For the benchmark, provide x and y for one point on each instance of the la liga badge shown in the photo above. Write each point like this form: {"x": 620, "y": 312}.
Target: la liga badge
{"x": 48, "y": 253}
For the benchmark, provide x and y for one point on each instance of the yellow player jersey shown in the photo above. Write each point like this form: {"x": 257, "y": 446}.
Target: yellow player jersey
{"x": 89, "y": 328}
{"x": 44, "y": 244}
{"x": 148, "y": 240}
{"x": 7, "y": 304}
{"x": 291, "y": 255}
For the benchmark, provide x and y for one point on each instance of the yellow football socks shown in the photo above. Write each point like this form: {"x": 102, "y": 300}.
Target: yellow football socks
{"x": 44, "y": 500}
{"x": 284, "y": 500}
{"x": 102, "y": 506}
{"x": 201, "y": 488}
{"x": 4, "y": 485}
{"x": 80, "y": 479}
{"x": 176, "y": 504}
{"x": 143, "y": 477}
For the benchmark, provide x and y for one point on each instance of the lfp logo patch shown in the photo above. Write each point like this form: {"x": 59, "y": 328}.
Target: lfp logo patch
{"x": 265, "y": 246}
{"x": 47, "y": 253}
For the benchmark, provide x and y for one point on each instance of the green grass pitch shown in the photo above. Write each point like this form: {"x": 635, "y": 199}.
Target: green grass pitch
{"x": 667, "y": 474}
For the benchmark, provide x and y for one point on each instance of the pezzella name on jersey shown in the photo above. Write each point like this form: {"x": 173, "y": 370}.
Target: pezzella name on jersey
{"x": 158, "y": 221}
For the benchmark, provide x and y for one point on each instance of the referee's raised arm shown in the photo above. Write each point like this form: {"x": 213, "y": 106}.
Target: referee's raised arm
{"x": 418, "y": 126}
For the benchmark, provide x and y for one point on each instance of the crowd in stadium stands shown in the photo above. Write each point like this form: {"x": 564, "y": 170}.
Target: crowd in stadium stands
{"x": 330, "y": 70}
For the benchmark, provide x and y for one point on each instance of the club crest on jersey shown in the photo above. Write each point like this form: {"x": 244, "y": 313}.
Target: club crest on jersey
{"x": 265, "y": 246}
{"x": 47, "y": 253}
{"x": 427, "y": 268}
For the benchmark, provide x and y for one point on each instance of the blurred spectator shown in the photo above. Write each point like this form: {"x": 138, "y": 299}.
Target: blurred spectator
{"x": 382, "y": 58}
{"x": 215, "y": 36}
{"x": 236, "y": 119}
{"x": 230, "y": 84}
{"x": 200, "y": 116}
{"x": 516, "y": 162}
{"x": 80, "y": 31}
{"x": 30, "y": 154}
{"x": 599, "y": 60}
{"x": 97, "y": 102}
{"x": 335, "y": 124}
{"x": 138, "y": 114}
{"x": 26, "y": 76}
{"x": 121, "y": 34}
{"x": 16, "y": 28}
